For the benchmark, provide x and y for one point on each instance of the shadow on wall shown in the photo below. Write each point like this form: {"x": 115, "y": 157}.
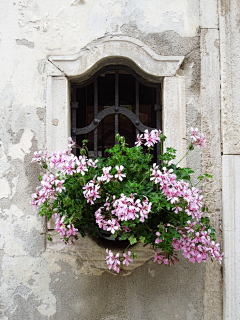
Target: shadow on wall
{"x": 151, "y": 292}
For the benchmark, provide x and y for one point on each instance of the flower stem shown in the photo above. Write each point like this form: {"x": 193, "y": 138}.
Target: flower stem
{"x": 183, "y": 157}
{"x": 127, "y": 248}
{"x": 144, "y": 178}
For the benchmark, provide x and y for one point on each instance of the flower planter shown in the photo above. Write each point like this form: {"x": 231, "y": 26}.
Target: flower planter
{"x": 124, "y": 201}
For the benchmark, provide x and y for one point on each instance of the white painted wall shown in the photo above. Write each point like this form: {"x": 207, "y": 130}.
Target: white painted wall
{"x": 38, "y": 284}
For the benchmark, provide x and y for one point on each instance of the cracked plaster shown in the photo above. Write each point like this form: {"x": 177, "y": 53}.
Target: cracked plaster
{"x": 38, "y": 284}
{"x": 24, "y": 42}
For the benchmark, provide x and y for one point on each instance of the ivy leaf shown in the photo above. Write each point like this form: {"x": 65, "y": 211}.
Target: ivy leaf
{"x": 132, "y": 239}
{"x": 142, "y": 239}
{"x": 124, "y": 236}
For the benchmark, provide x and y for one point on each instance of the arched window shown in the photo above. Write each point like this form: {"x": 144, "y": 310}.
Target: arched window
{"x": 115, "y": 100}
{"x": 74, "y": 72}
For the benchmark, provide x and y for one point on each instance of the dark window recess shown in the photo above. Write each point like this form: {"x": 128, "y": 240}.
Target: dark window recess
{"x": 115, "y": 100}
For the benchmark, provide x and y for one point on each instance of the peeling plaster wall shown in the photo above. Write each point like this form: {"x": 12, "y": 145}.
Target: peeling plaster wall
{"x": 36, "y": 284}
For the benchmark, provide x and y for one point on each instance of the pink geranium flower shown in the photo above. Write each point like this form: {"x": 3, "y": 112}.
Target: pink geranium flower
{"x": 119, "y": 175}
{"x": 127, "y": 258}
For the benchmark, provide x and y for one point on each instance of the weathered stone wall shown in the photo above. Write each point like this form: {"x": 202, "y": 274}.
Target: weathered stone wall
{"x": 229, "y": 24}
{"x": 38, "y": 284}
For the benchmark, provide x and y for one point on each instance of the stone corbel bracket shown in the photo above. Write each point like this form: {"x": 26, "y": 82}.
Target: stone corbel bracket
{"x": 115, "y": 50}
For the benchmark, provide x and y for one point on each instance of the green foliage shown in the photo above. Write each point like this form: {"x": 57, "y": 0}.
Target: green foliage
{"x": 73, "y": 206}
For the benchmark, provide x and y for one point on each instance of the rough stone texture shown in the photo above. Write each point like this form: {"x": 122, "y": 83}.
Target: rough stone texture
{"x": 58, "y": 115}
{"x": 92, "y": 253}
{"x": 211, "y": 159}
{"x": 230, "y": 83}
{"x": 230, "y": 74}
{"x": 138, "y": 55}
{"x": 231, "y": 227}
{"x": 192, "y": 73}
{"x": 107, "y": 296}
{"x": 37, "y": 284}
{"x": 209, "y": 14}
{"x": 174, "y": 116}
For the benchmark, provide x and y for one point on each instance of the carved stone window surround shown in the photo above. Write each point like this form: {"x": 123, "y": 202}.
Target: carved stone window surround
{"x": 117, "y": 50}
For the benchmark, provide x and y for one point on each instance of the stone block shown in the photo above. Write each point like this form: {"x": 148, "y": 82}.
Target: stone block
{"x": 231, "y": 235}
{"x": 209, "y": 14}
{"x": 174, "y": 116}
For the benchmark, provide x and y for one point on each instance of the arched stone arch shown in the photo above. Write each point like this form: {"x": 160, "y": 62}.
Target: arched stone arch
{"x": 119, "y": 50}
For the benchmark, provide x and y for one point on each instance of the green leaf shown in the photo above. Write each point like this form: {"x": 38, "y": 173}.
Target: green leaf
{"x": 83, "y": 152}
{"x": 171, "y": 150}
{"x": 44, "y": 165}
{"x": 191, "y": 146}
{"x": 132, "y": 239}
{"x": 162, "y": 137}
{"x": 124, "y": 236}
{"x": 142, "y": 239}
{"x": 208, "y": 175}
{"x": 134, "y": 255}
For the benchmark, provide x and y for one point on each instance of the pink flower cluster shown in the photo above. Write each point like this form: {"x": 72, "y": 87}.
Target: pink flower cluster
{"x": 111, "y": 225}
{"x": 114, "y": 263}
{"x": 177, "y": 191}
{"x": 198, "y": 140}
{"x": 67, "y": 162}
{"x": 91, "y": 191}
{"x": 198, "y": 247}
{"x": 164, "y": 259}
{"x": 150, "y": 138}
{"x": 125, "y": 208}
{"x": 68, "y": 232}
{"x": 158, "y": 240}
{"x": 50, "y": 185}
{"x": 107, "y": 176}
{"x": 68, "y": 165}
